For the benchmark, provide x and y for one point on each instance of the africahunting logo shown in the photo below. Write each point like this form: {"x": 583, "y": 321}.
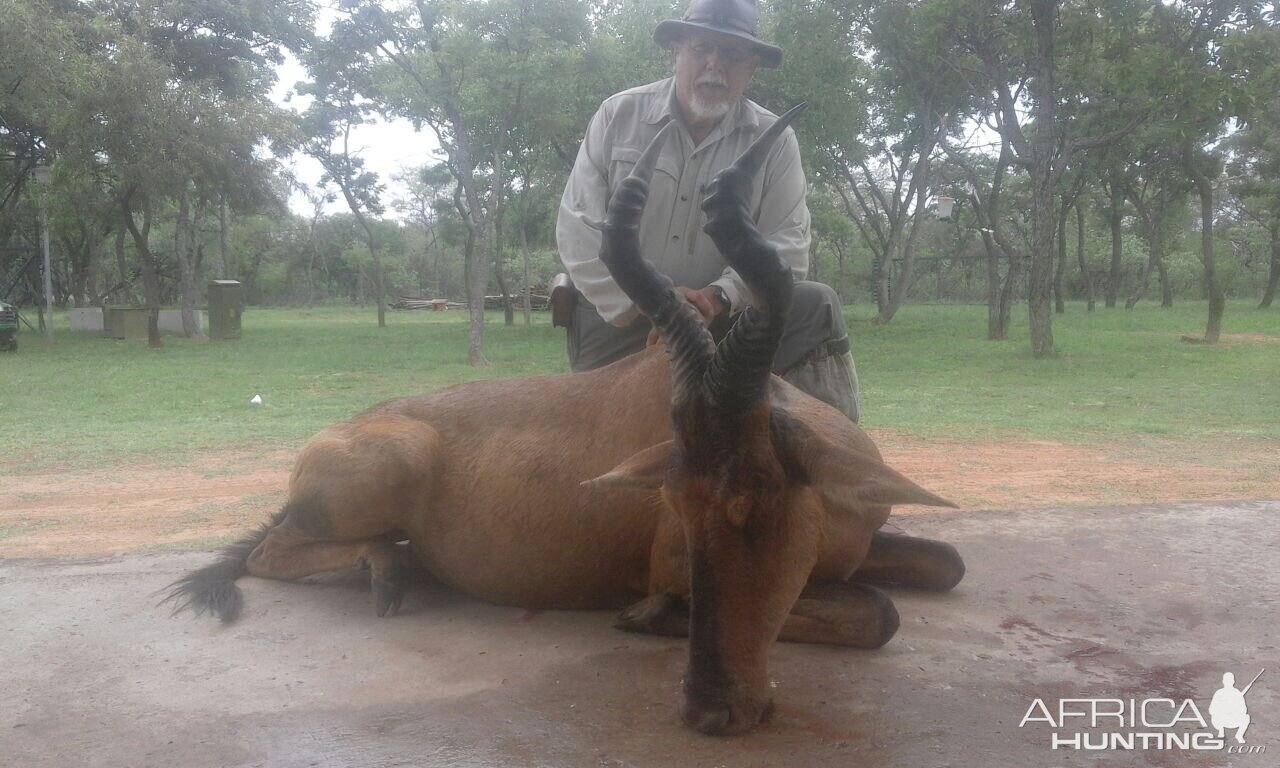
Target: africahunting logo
{"x": 1150, "y": 724}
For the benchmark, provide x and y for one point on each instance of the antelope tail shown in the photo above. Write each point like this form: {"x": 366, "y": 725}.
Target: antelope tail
{"x": 212, "y": 589}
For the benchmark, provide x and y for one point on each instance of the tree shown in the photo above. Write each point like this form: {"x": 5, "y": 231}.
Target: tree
{"x": 465, "y": 71}
{"x": 985, "y": 193}
{"x": 1251, "y": 56}
{"x": 1021, "y": 47}
{"x": 1255, "y": 177}
{"x": 327, "y": 124}
{"x": 881, "y": 99}
{"x": 1205, "y": 96}
{"x": 1157, "y": 190}
{"x": 172, "y": 102}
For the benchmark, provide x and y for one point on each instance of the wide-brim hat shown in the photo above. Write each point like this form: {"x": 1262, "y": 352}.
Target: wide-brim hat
{"x": 738, "y": 18}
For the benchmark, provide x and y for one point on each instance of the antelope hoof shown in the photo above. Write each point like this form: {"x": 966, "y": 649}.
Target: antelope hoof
{"x": 889, "y": 621}
{"x": 661, "y": 614}
{"x": 388, "y": 594}
{"x": 389, "y": 580}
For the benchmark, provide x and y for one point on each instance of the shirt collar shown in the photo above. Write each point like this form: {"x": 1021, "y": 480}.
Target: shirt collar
{"x": 664, "y": 108}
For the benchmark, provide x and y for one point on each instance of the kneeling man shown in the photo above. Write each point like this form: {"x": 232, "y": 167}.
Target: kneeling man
{"x": 714, "y": 53}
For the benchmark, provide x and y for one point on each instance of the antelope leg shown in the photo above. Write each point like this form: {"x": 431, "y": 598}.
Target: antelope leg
{"x": 851, "y": 615}
{"x": 911, "y": 561}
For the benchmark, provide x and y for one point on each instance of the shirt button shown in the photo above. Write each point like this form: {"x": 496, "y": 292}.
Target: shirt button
{"x": 675, "y": 237}
{"x": 684, "y": 197}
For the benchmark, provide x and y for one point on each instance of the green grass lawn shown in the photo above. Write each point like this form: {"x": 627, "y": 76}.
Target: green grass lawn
{"x": 86, "y": 401}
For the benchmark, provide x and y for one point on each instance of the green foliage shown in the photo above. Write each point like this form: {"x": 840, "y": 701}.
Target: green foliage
{"x": 154, "y": 95}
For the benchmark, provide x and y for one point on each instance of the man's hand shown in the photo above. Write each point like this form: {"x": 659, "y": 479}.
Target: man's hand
{"x": 705, "y": 300}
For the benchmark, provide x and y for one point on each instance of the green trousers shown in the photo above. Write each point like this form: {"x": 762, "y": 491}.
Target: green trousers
{"x": 813, "y": 355}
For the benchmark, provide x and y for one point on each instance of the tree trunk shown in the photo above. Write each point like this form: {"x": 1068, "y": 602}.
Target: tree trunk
{"x": 1154, "y": 261}
{"x": 1117, "y": 250}
{"x": 1059, "y": 302}
{"x": 1152, "y": 214}
{"x": 1011, "y": 280}
{"x": 508, "y": 309}
{"x": 1040, "y": 280}
{"x": 524, "y": 257}
{"x": 899, "y": 293}
{"x": 1166, "y": 288}
{"x": 895, "y": 295}
{"x": 884, "y": 277}
{"x": 1080, "y": 256}
{"x": 840, "y": 271}
{"x": 1274, "y": 279}
{"x": 1217, "y": 297}
{"x": 475, "y": 265}
{"x": 375, "y": 251}
{"x": 183, "y": 241}
{"x": 477, "y": 279}
{"x": 995, "y": 328}
{"x": 379, "y": 280}
{"x": 91, "y": 271}
{"x": 121, "y": 264}
{"x": 150, "y": 275}
{"x": 79, "y": 262}
{"x": 479, "y": 239}
{"x": 1040, "y": 169}
{"x": 222, "y": 237}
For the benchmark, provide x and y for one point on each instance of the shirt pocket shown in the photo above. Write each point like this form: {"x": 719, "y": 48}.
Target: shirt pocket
{"x": 623, "y": 159}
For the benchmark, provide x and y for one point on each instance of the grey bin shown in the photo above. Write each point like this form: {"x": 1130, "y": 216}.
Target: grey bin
{"x": 226, "y": 302}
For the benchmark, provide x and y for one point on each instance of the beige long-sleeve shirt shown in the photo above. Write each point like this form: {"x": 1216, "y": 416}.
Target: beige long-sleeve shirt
{"x": 671, "y": 233}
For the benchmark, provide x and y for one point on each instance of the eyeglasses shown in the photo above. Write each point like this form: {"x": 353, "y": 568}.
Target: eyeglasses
{"x": 729, "y": 54}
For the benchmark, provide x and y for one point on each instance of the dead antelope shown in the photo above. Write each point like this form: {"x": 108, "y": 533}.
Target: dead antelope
{"x": 770, "y": 499}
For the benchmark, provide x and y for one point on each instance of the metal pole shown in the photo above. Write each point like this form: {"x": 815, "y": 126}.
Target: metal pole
{"x": 48, "y": 273}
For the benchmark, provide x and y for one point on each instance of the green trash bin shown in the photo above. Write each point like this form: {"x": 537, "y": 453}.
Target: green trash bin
{"x": 226, "y": 302}
{"x": 125, "y": 322}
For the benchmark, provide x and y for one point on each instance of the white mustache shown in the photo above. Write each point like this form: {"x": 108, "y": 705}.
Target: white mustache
{"x": 713, "y": 80}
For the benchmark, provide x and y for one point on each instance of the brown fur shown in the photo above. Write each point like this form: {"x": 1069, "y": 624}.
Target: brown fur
{"x": 486, "y": 480}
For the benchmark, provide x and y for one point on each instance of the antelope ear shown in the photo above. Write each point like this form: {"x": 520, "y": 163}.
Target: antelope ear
{"x": 645, "y": 470}
{"x": 844, "y": 478}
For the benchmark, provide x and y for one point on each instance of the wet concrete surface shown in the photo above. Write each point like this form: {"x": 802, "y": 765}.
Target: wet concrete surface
{"x": 1130, "y": 602}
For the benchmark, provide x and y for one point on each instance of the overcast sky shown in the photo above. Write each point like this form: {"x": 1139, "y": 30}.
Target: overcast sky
{"x": 387, "y": 148}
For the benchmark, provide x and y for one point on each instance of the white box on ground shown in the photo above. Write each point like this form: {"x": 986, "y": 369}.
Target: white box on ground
{"x": 171, "y": 321}
{"x": 87, "y": 319}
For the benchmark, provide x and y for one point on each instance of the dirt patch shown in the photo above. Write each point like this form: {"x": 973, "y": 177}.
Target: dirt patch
{"x": 1229, "y": 339}
{"x": 1020, "y": 474}
{"x": 1249, "y": 338}
{"x": 206, "y": 504}
{"x": 140, "y": 508}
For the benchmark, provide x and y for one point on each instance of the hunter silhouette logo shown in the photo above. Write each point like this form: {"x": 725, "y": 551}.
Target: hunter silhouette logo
{"x": 1228, "y": 708}
{"x": 1150, "y": 724}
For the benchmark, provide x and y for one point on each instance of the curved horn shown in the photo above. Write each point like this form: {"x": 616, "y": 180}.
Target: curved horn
{"x": 750, "y": 161}
{"x": 643, "y": 169}
{"x": 738, "y": 375}
{"x": 620, "y": 245}
{"x": 688, "y": 342}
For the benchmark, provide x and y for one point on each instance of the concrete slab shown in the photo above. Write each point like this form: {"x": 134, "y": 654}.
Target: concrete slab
{"x": 170, "y": 321}
{"x": 87, "y": 319}
{"x": 1136, "y": 602}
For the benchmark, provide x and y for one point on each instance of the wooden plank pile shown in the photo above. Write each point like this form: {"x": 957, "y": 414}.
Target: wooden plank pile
{"x": 433, "y": 305}
{"x": 538, "y": 302}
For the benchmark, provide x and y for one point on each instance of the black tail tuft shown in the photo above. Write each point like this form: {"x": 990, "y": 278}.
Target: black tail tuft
{"x": 212, "y": 589}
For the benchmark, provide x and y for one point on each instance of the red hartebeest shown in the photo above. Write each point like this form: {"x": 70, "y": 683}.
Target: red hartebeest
{"x": 544, "y": 492}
